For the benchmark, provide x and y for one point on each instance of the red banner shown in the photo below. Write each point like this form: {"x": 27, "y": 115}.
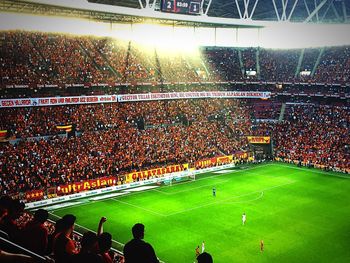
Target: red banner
{"x": 224, "y": 159}
{"x": 34, "y": 195}
{"x": 86, "y": 185}
{"x": 155, "y": 172}
{"x": 213, "y": 161}
{"x": 205, "y": 163}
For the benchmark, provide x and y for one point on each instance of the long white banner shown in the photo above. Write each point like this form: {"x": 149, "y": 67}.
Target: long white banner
{"x": 73, "y": 100}
{"x": 194, "y": 95}
{"x": 52, "y": 101}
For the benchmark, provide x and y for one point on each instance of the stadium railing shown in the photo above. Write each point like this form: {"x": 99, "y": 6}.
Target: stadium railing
{"x": 15, "y": 248}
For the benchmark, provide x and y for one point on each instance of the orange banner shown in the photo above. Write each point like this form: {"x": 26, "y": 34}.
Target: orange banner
{"x": 259, "y": 139}
{"x": 213, "y": 161}
{"x": 224, "y": 159}
{"x": 241, "y": 155}
{"x": 3, "y": 133}
{"x": 155, "y": 172}
{"x": 86, "y": 185}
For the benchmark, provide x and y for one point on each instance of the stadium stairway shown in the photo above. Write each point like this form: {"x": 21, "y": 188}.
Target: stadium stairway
{"x": 300, "y": 61}
{"x": 317, "y": 61}
{"x": 283, "y": 109}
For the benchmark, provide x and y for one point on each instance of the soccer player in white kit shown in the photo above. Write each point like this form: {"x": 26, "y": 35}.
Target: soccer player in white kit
{"x": 244, "y": 218}
{"x": 203, "y": 247}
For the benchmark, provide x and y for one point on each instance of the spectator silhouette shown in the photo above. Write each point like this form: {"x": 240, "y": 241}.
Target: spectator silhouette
{"x": 36, "y": 229}
{"x": 89, "y": 249}
{"x": 105, "y": 244}
{"x": 8, "y": 224}
{"x": 63, "y": 245}
{"x": 58, "y": 229}
{"x": 205, "y": 258}
{"x": 137, "y": 250}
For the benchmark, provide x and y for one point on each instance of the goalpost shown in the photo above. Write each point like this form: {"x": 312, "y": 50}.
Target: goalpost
{"x": 187, "y": 175}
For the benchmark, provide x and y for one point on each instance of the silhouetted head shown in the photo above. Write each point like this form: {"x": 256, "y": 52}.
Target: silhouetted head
{"x": 105, "y": 241}
{"x": 59, "y": 225}
{"x": 68, "y": 221}
{"x": 41, "y": 215}
{"x": 89, "y": 242}
{"x": 16, "y": 209}
{"x": 205, "y": 258}
{"x": 138, "y": 231}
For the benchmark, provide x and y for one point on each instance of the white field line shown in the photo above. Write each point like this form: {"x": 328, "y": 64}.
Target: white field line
{"x": 61, "y": 206}
{"x": 206, "y": 178}
{"x": 191, "y": 189}
{"x": 214, "y": 177}
{"x": 272, "y": 176}
{"x": 314, "y": 170}
{"x": 227, "y": 199}
{"x": 246, "y": 201}
{"x": 139, "y": 207}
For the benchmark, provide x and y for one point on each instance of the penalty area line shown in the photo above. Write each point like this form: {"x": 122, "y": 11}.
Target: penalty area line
{"x": 139, "y": 207}
{"x": 232, "y": 197}
{"x": 246, "y": 201}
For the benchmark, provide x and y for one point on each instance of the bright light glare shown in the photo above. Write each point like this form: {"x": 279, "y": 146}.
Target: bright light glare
{"x": 164, "y": 38}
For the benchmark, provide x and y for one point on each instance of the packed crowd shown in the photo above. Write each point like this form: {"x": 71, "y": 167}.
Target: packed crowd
{"x": 267, "y": 109}
{"x": 41, "y": 58}
{"x": 223, "y": 64}
{"x": 312, "y": 134}
{"x": 118, "y": 138}
{"x": 278, "y": 65}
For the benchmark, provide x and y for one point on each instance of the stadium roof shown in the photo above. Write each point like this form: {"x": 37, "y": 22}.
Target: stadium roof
{"x": 224, "y": 12}
{"x": 270, "y": 10}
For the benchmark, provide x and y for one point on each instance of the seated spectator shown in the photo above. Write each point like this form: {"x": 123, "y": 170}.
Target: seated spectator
{"x": 36, "y": 228}
{"x": 64, "y": 246}
{"x": 137, "y": 250}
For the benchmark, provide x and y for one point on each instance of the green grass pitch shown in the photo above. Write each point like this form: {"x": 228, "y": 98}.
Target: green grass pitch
{"x": 303, "y": 215}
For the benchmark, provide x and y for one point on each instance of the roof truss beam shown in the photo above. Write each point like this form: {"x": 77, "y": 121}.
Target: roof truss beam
{"x": 245, "y": 14}
{"x": 315, "y": 11}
